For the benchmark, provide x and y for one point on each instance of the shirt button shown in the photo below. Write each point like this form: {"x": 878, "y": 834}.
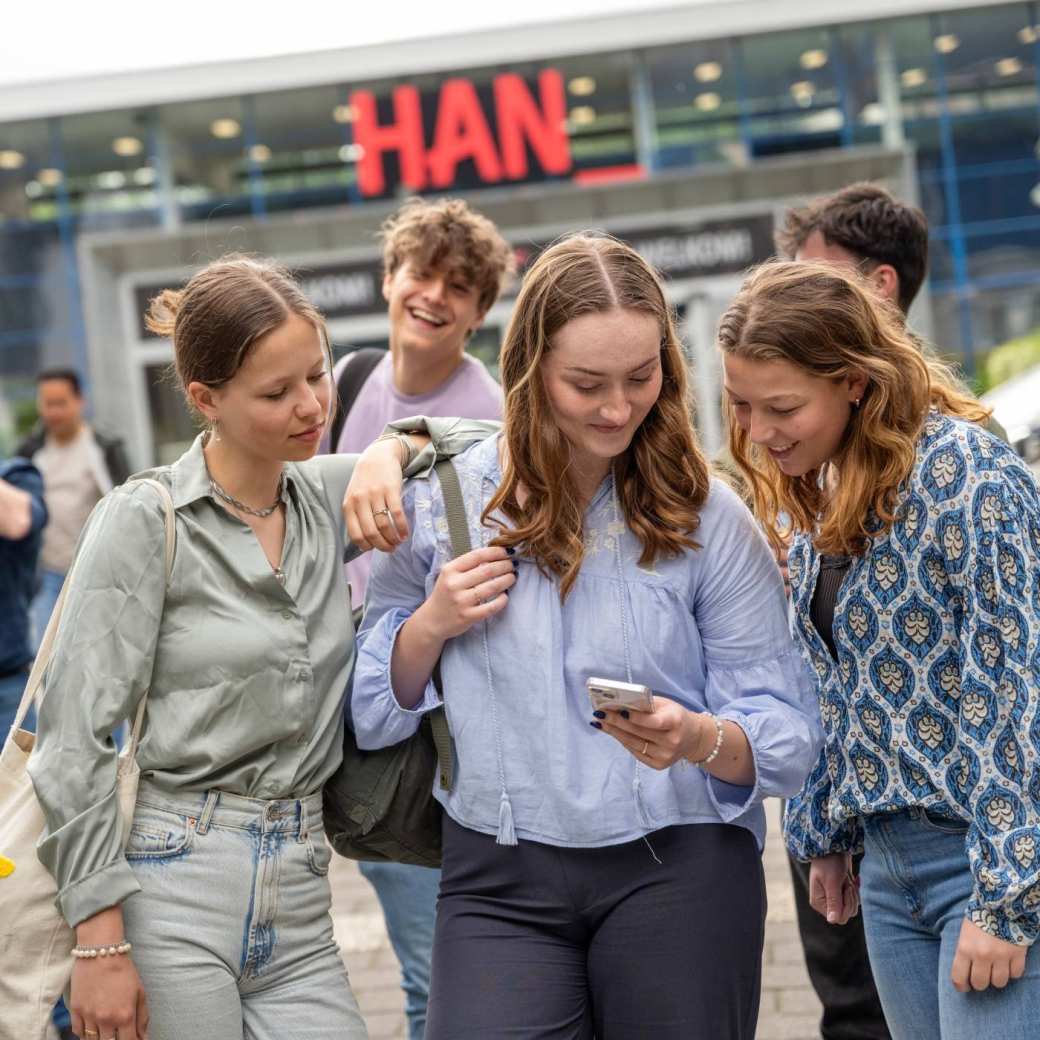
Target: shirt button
{"x": 287, "y": 614}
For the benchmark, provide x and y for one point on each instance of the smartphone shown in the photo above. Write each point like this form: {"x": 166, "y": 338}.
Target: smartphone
{"x": 609, "y": 693}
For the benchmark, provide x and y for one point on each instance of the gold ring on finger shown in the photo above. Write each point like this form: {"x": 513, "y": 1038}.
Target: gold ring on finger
{"x": 381, "y": 512}
{"x": 91, "y": 1032}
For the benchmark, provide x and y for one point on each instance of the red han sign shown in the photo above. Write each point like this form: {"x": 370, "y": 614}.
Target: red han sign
{"x": 462, "y": 132}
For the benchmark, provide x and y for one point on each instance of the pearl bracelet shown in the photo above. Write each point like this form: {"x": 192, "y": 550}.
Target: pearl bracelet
{"x": 84, "y": 952}
{"x": 711, "y": 756}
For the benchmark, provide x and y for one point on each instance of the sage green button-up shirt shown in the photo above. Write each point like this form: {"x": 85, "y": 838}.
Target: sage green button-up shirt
{"x": 246, "y": 676}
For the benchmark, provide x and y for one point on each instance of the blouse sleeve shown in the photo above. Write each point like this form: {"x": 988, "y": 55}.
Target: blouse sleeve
{"x": 986, "y": 541}
{"x": 755, "y": 677}
{"x": 396, "y": 588}
{"x": 100, "y": 667}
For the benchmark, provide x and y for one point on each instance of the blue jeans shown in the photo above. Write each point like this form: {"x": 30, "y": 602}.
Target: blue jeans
{"x": 915, "y": 887}
{"x": 11, "y": 689}
{"x": 408, "y": 896}
{"x": 43, "y": 604}
{"x": 231, "y": 930}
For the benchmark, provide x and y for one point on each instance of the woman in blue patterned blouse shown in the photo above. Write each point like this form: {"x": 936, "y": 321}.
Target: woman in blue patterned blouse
{"x": 916, "y": 598}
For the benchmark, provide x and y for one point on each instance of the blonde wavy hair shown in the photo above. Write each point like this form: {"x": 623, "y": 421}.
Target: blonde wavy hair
{"x": 661, "y": 479}
{"x": 829, "y": 322}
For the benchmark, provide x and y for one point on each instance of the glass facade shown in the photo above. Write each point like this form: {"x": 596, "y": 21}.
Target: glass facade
{"x": 961, "y": 87}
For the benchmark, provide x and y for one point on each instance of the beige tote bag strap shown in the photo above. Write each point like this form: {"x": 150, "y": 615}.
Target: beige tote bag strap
{"x": 43, "y": 656}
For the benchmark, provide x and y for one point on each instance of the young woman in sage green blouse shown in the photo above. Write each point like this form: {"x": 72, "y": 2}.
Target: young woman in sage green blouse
{"x": 245, "y": 655}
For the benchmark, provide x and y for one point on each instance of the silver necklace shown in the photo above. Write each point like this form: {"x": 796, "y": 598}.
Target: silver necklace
{"x": 231, "y": 500}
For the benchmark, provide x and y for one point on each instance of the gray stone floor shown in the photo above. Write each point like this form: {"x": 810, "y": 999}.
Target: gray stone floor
{"x": 790, "y": 1010}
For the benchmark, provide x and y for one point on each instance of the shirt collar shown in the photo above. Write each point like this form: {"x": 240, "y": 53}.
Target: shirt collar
{"x": 191, "y": 476}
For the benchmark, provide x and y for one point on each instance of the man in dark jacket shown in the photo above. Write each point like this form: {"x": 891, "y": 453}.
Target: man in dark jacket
{"x": 78, "y": 465}
{"x": 22, "y": 519}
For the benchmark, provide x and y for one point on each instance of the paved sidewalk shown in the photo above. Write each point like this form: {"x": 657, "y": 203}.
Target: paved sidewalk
{"x": 790, "y": 1010}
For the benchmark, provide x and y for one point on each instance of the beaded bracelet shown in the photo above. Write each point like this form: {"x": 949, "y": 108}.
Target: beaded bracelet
{"x": 702, "y": 762}
{"x": 84, "y": 952}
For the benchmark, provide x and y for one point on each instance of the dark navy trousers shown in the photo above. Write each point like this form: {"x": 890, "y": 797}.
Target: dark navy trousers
{"x": 658, "y": 938}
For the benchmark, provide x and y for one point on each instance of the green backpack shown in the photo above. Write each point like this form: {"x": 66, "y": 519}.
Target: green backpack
{"x": 379, "y": 805}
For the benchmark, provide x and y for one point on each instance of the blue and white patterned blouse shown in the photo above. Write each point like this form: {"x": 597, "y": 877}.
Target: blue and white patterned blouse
{"x": 707, "y": 628}
{"x": 933, "y": 699}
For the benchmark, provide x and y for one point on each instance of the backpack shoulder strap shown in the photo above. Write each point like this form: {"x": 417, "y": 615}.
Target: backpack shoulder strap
{"x": 458, "y": 532}
{"x": 352, "y": 378}
{"x": 454, "y": 507}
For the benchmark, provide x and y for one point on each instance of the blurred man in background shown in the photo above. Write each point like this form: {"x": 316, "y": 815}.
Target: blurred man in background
{"x": 78, "y": 465}
{"x": 444, "y": 266}
{"x": 23, "y": 515}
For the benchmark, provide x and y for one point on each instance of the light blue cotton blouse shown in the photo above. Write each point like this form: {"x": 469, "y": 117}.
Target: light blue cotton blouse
{"x": 708, "y": 629}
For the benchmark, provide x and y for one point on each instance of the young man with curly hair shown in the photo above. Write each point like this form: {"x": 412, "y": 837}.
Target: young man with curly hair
{"x": 444, "y": 266}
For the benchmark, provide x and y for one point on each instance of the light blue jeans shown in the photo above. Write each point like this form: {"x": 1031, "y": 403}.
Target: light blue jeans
{"x": 231, "y": 931}
{"x": 915, "y": 887}
{"x": 43, "y": 604}
{"x": 408, "y": 896}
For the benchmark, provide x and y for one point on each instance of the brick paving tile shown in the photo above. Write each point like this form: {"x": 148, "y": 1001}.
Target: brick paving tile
{"x": 790, "y": 1010}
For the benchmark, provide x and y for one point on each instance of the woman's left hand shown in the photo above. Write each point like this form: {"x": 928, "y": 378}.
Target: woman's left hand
{"x": 662, "y": 737}
{"x": 983, "y": 960}
{"x": 372, "y": 504}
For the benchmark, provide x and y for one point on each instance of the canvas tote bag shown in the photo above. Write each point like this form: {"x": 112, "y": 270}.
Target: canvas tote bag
{"x": 35, "y": 942}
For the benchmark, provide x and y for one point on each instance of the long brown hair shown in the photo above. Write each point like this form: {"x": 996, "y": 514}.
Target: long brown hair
{"x": 661, "y": 479}
{"x": 216, "y": 319}
{"x": 829, "y": 323}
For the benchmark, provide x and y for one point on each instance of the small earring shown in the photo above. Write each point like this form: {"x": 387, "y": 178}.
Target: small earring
{"x": 855, "y": 403}
{"x": 214, "y": 430}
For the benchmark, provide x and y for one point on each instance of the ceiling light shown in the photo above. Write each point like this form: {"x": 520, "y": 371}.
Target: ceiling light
{"x": 49, "y": 177}
{"x": 814, "y": 59}
{"x": 111, "y": 179}
{"x": 707, "y": 72}
{"x": 127, "y": 146}
{"x": 1028, "y": 34}
{"x": 1034, "y": 195}
{"x": 34, "y": 189}
{"x": 144, "y": 176}
{"x": 344, "y": 113}
{"x": 914, "y": 77}
{"x": 707, "y": 102}
{"x": 803, "y": 92}
{"x": 582, "y": 86}
{"x": 259, "y": 153}
{"x": 352, "y": 153}
{"x": 947, "y": 43}
{"x": 225, "y": 128}
{"x": 583, "y": 115}
{"x": 11, "y": 160}
{"x": 1008, "y": 67}
{"x": 872, "y": 114}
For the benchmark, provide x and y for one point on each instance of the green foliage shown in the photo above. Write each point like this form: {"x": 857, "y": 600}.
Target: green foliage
{"x": 1010, "y": 359}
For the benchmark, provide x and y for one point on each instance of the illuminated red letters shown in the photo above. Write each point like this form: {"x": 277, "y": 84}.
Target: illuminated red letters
{"x": 520, "y": 119}
{"x": 462, "y": 132}
{"x": 405, "y": 136}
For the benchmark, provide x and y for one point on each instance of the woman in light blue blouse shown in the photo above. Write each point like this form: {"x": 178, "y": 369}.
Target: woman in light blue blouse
{"x": 596, "y": 881}
{"x": 915, "y": 577}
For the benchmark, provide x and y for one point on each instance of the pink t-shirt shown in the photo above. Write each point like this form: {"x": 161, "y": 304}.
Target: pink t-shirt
{"x": 469, "y": 392}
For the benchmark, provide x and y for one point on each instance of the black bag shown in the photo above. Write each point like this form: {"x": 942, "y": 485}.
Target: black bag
{"x": 379, "y": 805}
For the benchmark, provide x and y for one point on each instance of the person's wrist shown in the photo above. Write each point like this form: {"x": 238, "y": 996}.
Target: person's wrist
{"x": 426, "y": 628}
{"x": 696, "y": 744}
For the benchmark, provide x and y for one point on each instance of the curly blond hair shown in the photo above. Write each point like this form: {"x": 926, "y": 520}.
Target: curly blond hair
{"x": 447, "y": 234}
{"x": 828, "y": 322}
